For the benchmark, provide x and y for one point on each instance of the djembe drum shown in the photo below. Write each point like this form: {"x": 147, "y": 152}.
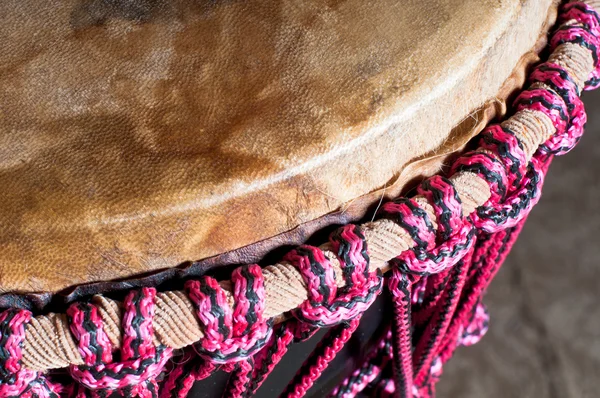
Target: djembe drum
{"x": 164, "y": 164}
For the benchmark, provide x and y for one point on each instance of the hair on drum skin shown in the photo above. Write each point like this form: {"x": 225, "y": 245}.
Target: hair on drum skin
{"x": 452, "y": 238}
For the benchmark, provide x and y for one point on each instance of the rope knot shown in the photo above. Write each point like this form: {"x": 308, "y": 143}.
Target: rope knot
{"x": 558, "y": 80}
{"x": 514, "y": 190}
{"x": 329, "y": 304}
{"x": 584, "y": 32}
{"x": 489, "y": 168}
{"x": 231, "y": 335}
{"x": 140, "y": 361}
{"x": 582, "y": 13}
{"x": 434, "y": 252}
{"x": 588, "y": 17}
{"x": 506, "y": 145}
{"x": 16, "y": 381}
{"x": 547, "y": 102}
{"x": 494, "y": 216}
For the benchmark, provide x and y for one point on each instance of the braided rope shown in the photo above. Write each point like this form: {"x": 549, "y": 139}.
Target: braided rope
{"x": 490, "y": 189}
{"x": 140, "y": 363}
{"x": 268, "y": 358}
{"x": 368, "y": 370}
{"x": 400, "y": 285}
{"x": 231, "y": 335}
{"x": 182, "y": 373}
{"x": 319, "y": 359}
{"x": 15, "y": 380}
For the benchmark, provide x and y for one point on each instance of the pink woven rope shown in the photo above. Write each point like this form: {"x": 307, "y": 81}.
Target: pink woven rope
{"x": 271, "y": 355}
{"x": 503, "y": 142}
{"x": 327, "y": 304}
{"x": 455, "y": 232}
{"x": 557, "y": 78}
{"x": 312, "y": 368}
{"x": 588, "y": 36}
{"x": 181, "y": 374}
{"x": 368, "y": 371}
{"x": 240, "y": 380}
{"x": 427, "y": 346}
{"x": 493, "y": 217}
{"x": 472, "y": 332}
{"x": 140, "y": 363}
{"x": 16, "y": 381}
{"x": 231, "y": 336}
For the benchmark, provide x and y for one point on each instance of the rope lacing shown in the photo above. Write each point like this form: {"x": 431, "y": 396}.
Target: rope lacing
{"x": 443, "y": 245}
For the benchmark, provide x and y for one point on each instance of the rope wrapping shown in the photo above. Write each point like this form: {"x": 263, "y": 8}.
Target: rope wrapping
{"x": 588, "y": 35}
{"x": 231, "y": 336}
{"x": 443, "y": 247}
{"x": 327, "y": 304}
{"x": 586, "y": 15}
{"x": 16, "y": 381}
{"x": 455, "y": 231}
{"x": 558, "y": 80}
{"x": 503, "y": 142}
{"x": 492, "y": 217}
{"x": 141, "y": 362}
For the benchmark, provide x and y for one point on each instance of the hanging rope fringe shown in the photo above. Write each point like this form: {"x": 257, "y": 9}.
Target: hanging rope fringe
{"x": 443, "y": 247}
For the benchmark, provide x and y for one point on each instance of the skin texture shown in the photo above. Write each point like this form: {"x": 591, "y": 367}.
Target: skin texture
{"x": 135, "y": 136}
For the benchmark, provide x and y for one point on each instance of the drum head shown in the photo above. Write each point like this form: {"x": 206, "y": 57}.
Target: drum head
{"x": 136, "y": 136}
